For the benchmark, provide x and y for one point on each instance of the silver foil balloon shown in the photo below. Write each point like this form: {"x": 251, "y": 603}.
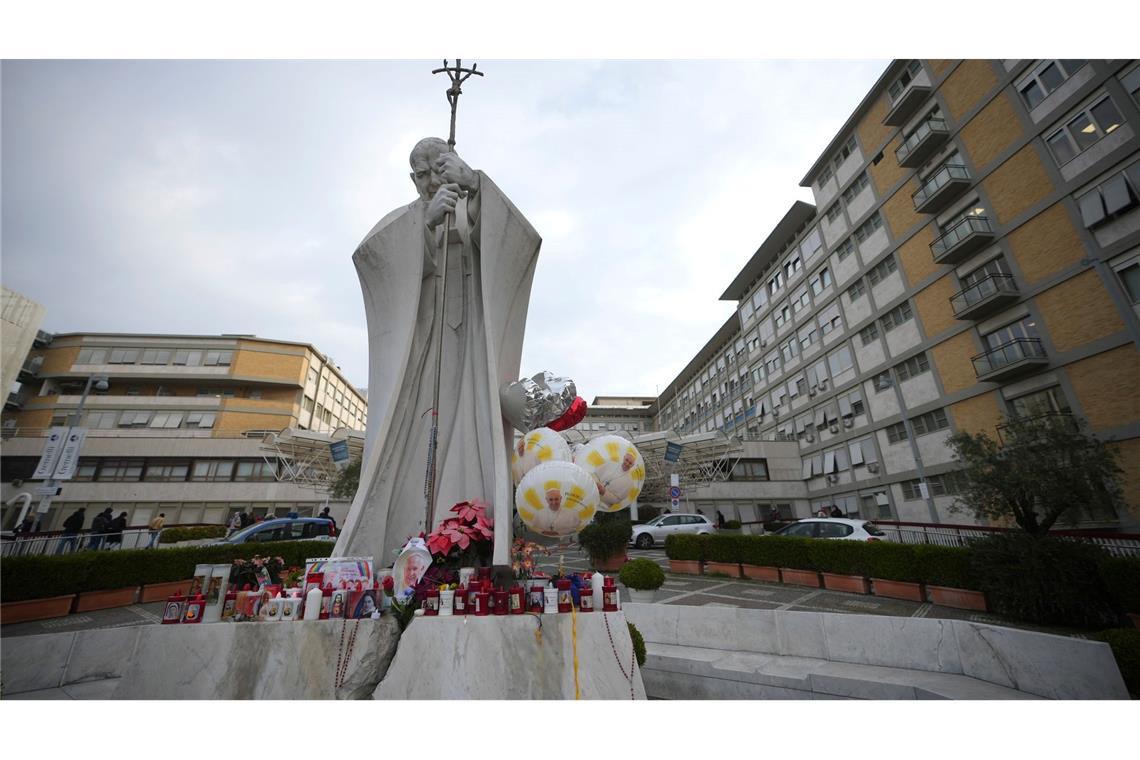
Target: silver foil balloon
{"x": 534, "y": 402}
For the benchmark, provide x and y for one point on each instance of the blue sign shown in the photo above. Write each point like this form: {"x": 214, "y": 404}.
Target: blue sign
{"x": 672, "y": 452}
{"x": 339, "y": 451}
{"x": 675, "y": 492}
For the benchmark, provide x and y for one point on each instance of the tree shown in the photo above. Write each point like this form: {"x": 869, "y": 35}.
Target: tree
{"x": 1046, "y": 467}
{"x": 347, "y": 481}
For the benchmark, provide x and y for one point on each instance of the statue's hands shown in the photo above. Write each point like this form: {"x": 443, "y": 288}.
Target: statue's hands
{"x": 453, "y": 169}
{"x": 442, "y": 204}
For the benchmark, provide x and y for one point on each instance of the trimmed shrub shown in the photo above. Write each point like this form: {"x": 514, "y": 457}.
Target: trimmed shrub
{"x": 779, "y": 551}
{"x": 723, "y": 548}
{"x": 1043, "y": 580}
{"x": 1121, "y": 575}
{"x": 892, "y": 562}
{"x": 839, "y": 557}
{"x": 43, "y": 576}
{"x": 174, "y": 535}
{"x": 638, "y": 644}
{"x": 1125, "y": 645}
{"x": 685, "y": 546}
{"x": 642, "y": 574}
{"x": 603, "y": 539}
{"x": 946, "y": 566}
{"x": 732, "y": 525}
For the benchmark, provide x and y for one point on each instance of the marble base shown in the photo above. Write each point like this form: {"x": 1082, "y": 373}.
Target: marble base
{"x": 502, "y": 658}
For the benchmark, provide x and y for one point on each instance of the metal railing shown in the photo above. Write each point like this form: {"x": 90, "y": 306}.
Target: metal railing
{"x": 924, "y": 130}
{"x": 1018, "y": 349}
{"x": 1115, "y": 544}
{"x": 119, "y": 432}
{"x": 57, "y": 542}
{"x": 939, "y": 180}
{"x": 981, "y": 290}
{"x": 964, "y": 228}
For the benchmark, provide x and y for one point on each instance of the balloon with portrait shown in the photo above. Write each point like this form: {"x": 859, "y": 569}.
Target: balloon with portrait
{"x": 617, "y": 468}
{"x": 557, "y": 499}
{"x": 538, "y": 446}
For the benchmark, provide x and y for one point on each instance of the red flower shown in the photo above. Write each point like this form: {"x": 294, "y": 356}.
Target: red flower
{"x": 388, "y": 584}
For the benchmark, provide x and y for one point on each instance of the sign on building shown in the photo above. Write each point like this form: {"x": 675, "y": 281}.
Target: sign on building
{"x": 339, "y": 452}
{"x": 672, "y": 452}
{"x": 57, "y": 436}
{"x": 69, "y": 457}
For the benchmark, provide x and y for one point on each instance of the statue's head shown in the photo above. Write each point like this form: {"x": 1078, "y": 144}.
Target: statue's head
{"x": 422, "y": 160}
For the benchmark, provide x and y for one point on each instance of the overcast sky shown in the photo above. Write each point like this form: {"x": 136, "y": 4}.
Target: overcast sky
{"x": 228, "y": 197}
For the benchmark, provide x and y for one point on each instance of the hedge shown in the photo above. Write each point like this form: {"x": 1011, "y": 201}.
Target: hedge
{"x": 685, "y": 547}
{"x": 946, "y": 566}
{"x": 1125, "y": 645}
{"x": 38, "y": 577}
{"x": 839, "y": 557}
{"x": 1122, "y": 578}
{"x": 174, "y": 535}
{"x": 723, "y": 548}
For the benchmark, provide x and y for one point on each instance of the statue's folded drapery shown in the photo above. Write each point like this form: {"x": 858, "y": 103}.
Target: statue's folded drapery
{"x": 490, "y": 268}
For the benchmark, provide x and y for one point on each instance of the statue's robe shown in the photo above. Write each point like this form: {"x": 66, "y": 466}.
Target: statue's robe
{"x": 490, "y": 268}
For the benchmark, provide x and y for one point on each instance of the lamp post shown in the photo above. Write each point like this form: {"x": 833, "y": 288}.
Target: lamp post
{"x": 51, "y": 485}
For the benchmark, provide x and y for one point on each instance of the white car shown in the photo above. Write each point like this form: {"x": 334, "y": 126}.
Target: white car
{"x": 833, "y": 527}
{"x": 655, "y": 531}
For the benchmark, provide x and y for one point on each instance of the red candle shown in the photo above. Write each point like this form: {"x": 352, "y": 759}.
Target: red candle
{"x": 585, "y": 599}
{"x": 482, "y": 603}
{"x": 432, "y": 602}
{"x": 472, "y": 594}
{"x": 565, "y": 597}
{"x": 500, "y": 602}
{"x": 609, "y": 596}
{"x": 517, "y": 600}
{"x": 460, "y": 606}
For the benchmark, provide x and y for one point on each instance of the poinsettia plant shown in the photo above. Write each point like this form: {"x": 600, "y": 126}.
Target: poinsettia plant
{"x": 464, "y": 539}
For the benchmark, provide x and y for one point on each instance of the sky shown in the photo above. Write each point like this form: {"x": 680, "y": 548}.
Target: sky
{"x": 209, "y": 197}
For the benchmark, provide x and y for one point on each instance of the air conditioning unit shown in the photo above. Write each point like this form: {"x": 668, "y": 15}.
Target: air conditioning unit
{"x": 809, "y": 437}
{"x": 834, "y": 428}
{"x": 823, "y": 384}
{"x": 833, "y": 478}
{"x": 848, "y": 422}
{"x": 776, "y": 411}
{"x": 872, "y": 467}
{"x": 811, "y": 393}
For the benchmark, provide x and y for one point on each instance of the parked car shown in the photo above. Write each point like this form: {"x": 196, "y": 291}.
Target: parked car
{"x": 654, "y": 532}
{"x": 833, "y": 527}
{"x": 284, "y": 529}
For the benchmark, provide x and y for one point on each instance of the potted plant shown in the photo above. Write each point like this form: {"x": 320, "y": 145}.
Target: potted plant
{"x": 894, "y": 570}
{"x": 841, "y": 564}
{"x": 756, "y": 559}
{"x": 606, "y": 540}
{"x": 685, "y": 553}
{"x": 792, "y": 556}
{"x": 722, "y": 555}
{"x": 949, "y": 579}
{"x": 642, "y": 577}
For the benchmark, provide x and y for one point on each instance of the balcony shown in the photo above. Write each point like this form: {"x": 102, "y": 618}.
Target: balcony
{"x": 1014, "y": 358}
{"x": 30, "y": 369}
{"x": 968, "y": 235}
{"x": 941, "y": 188}
{"x": 905, "y": 103}
{"x": 929, "y": 137}
{"x": 984, "y": 297}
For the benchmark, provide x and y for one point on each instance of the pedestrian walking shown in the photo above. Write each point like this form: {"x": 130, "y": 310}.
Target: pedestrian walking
{"x": 246, "y": 520}
{"x": 71, "y": 527}
{"x": 115, "y": 531}
{"x": 235, "y": 524}
{"x": 719, "y": 519}
{"x": 325, "y": 514}
{"x": 99, "y": 528}
{"x": 24, "y": 532}
{"x": 156, "y": 528}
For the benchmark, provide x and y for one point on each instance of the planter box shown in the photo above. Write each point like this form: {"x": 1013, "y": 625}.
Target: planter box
{"x": 911, "y": 592}
{"x": 731, "y": 569}
{"x": 36, "y": 609}
{"x": 957, "y": 598}
{"x": 854, "y": 584}
{"x": 761, "y": 573}
{"x": 101, "y": 600}
{"x": 157, "y": 592}
{"x": 690, "y": 566}
{"x": 800, "y": 577}
{"x": 610, "y": 564}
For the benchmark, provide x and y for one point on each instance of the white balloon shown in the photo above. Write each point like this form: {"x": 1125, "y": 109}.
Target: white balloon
{"x": 557, "y": 498}
{"x": 538, "y": 446}
{"x": 617, "y": 467}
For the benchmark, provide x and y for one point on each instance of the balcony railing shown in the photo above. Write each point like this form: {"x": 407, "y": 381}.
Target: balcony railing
{"x": 941, "y": 188}
{"x": 922, "y": 142}
{"x": 966, "y": 236}
{"x": 905, "y": 101}
{"x": 984, "y": 296}
{"x": 1019, "y": 355}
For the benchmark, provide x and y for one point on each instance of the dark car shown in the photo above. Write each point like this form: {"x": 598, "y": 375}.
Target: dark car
{"x": 284, "y": 529}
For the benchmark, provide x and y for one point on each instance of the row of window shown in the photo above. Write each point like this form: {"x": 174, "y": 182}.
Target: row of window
{"x": 930, "y": 422}
{"x": 113, "y": 418}
{"x": 156, "y": 356}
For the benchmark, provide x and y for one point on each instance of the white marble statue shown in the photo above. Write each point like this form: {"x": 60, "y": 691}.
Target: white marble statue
{"x": 493, "y": 251}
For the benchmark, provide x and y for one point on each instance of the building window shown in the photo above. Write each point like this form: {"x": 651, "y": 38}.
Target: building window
{"x": 100, "y": 420}
{"x": 92, "y": 356}
{"x": 830, "y": 318}
{"x": 897, "y": 316}
{"x": 899, "y": 85}
{"x": 1025, "y": 328}
{"x": 206, "y": 470}
{"x": 256, "y": 470}
{"x": 120, "y": 470}
{"x": 847, "y": 149}
{"x": 1130, "y": 279}
{"x": 839, "y": 360}
{"x": 218, "y": 358}
{"x": 789, "y": 349}
{"x": 200, "y": 419}
{"x": 867, "y": 228}
{"x": 776, "y": 283}
{"x": 856, "y": 187}
{"x": 820, "y": 280}
{"x": 915, "y": 365}
{"x": 167, "y": 470}
{"x": 188, "y": 358}
{"x": 800, "y": 300}
{"x": 882, "y": 270}
{"x": 989, "y": 269}
{"x": 930, "y": 422}
{"x": 156, "y": 356}
{"x": 1048, "y": 401}
{"x": 882, "y": 381}
{"x": 782, "y": 316}
{"x": 833, "y": 213}
{"x": 807, "y": 336}
{"x": 772, "y": 362}
{"x": 896, "y": 432}
{"x": 750, "y": 469}
{"x": 1112, "y": 198}
{"x": 1047, "y": 77}
{"x": 824, "y": 176}
{"x": 846, "y": 248}
{"x": 134, "y": 419}
{"x": 1084, "y": 130}
{"x": 869, "y": 333}
{"x": 812, "y": 245}
{"x": 857, "y": 290}
{"x": 124, "y": 356}
{"x": 167, "y": 420}
{"x": 792, "y": 266}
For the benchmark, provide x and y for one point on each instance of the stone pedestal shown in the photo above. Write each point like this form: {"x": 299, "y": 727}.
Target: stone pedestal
{"x": 500, "y": 657}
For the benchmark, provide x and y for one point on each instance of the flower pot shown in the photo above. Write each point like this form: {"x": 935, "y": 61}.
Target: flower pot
{"x": 610, "y": 564}
{"x": 731, "y": 569}
{"x": 911, "y": 592}
{"x": 957, "y": 598}
{"x": 157, "y": 592}
{"x": 800, "y": 577}
{"x": 101, "y": 600}
{"x": 642, "y": 596}
{"x": 36, "y": 609}
{"x": 761, "y": 573}
{"x": 690, "y": 566}
{"x": 854, "y": 584}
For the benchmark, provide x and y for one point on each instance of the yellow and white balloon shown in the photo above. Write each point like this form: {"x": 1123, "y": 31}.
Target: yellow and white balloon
{"x": 538, "y": 446}
{"x": 557, "y": 498}
{"x": 618, "y": 468}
